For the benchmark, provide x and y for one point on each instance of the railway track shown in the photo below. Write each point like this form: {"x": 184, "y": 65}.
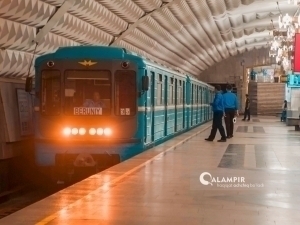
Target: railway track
{"x": 24, "y": 195}
{"x": 17, "y": 200}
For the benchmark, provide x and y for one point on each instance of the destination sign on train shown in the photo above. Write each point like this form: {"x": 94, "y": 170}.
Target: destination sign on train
{"x": 87, "y": 111}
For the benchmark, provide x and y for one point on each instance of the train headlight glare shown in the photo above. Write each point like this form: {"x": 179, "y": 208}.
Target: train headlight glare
{"x": 74, "y": 131}
{"x": 107, "y": 131}
{"x": 92, "y": 131}
{"x": 82, "y": 131}
{"x": 99, "y": 131}
{"x": 67, "y": 131}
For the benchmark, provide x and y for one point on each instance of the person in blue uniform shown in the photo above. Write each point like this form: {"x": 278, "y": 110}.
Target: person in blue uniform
{"x": 218, "y": 109}
{"x": 231, "y": 110}
{"x": 95, "y": 102}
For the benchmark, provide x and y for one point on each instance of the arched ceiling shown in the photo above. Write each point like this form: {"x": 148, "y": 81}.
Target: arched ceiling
{"x": 188, "y": 35}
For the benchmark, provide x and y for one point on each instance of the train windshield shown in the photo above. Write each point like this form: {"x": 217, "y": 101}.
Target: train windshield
{"x": 51, "y": 89}
{"x": 125, "y": 93}
{"x": 87, "y": 93}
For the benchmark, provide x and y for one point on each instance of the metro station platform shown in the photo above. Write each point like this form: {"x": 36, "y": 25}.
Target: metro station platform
{"x": 183, "y": 182}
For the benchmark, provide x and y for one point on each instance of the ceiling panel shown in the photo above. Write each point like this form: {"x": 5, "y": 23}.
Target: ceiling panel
{"x": 186, "y": 35}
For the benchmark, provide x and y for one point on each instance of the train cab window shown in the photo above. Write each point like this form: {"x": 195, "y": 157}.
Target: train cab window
{"x": 125, "y": 93}
{"x": 51, "y": 92}
{"x": 87, "y": 92}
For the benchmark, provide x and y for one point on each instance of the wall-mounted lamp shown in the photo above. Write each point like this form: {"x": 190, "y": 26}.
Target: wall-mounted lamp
{"x": 243, "y": 63}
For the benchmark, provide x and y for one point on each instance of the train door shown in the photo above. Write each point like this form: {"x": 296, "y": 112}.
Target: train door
{"x": 160, "y": 108}
{"x": 198, "y": 104}
{"x": 175, "y": 102}
{"x": 203, "y": 104}
{"x": 183, "y": 104}
{"x": 166, "y": 105}
{"x": 192, "y": 102}
{"x": 149, "y": 110}
{"x": 152, "y": 104}
{"x": 179, "y": 105}
{"x": 211, "y": 100}
{"x": 207, "y": 100}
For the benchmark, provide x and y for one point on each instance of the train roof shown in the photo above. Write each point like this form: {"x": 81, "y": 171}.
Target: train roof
{"x": 176, "y": 72}
{"x": 107, "y": 52}
{"x": 99, "y": 52}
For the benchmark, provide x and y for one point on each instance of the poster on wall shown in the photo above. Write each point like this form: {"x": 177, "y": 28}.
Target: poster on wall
{"x": 297, "y": 53}
{"x": 25, "y": 113}
{"x": 293, "y": 80}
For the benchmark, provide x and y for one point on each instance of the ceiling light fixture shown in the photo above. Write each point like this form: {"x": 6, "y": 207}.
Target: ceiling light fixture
{"x": 295, "y": 2}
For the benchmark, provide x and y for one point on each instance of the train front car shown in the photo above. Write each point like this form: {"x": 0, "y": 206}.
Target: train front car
{"x": 86, "y": 107}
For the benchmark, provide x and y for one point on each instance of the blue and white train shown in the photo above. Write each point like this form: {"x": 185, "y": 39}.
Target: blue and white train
{"x": 142, "y": 104}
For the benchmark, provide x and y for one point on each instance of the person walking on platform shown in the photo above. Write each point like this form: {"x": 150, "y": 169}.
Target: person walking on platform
{"x": 218, "y": 109}
{"x": 284, "y": 109}
{"x": 247, "y": 108}
{"x": 231, "y": 110}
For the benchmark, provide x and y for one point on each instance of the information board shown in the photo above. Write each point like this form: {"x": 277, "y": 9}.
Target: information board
{"x": 87, "y": 111}
{"x": 297, "y": 53}
{"x": 293, "y": 80}
{"x": 25, "y": 113}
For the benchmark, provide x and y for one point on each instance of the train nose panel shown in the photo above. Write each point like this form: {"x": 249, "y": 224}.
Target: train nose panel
{"x": 84, "y": 160}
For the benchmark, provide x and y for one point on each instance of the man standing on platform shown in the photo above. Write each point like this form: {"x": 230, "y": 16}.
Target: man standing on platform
{"x": 247, "y": 108}
{"x": 218, "y": 109}
{"x": 231, "y": 110}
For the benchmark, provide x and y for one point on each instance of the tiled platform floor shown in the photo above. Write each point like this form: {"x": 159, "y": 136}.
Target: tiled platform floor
{"x": 161, "y": 186}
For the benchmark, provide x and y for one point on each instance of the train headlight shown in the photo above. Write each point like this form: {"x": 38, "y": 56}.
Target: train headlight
{"x": 92, "y": 131}
{"x": 99, "y": 131}
{"x": 125, "y": 65}
{"x": 82, "y": 131}
{"x": 107, "y": 131}
{"x": 74, "y": 131}
{"x": 67, "y": 131}
{"x": 50, "y": 64}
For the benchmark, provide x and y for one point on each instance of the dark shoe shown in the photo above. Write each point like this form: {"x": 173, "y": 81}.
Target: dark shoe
{"x": 248, "y": 120}
{"x": 243, "y": 119}
{"x": 222, "y": 140}
{"x": 208, "y": 139}
{"x": 228, "y": 137}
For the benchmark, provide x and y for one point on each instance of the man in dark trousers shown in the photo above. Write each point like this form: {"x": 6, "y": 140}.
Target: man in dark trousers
{"x": 218, "y": 109}
{"x": 231, "y": 110}
{"x": 247, "y": 108}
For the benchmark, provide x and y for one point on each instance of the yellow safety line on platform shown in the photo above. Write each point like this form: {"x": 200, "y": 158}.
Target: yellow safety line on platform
{"x": 56, "y": 214}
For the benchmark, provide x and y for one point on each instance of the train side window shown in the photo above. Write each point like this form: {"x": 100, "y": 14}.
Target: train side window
{"x": 51, "y": 92}
{"x": 159, "y": 96}
{"x": 125, "y": 93}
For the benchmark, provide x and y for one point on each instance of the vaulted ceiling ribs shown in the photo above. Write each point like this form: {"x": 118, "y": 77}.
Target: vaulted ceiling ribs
{"x": 188, "y": 35}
